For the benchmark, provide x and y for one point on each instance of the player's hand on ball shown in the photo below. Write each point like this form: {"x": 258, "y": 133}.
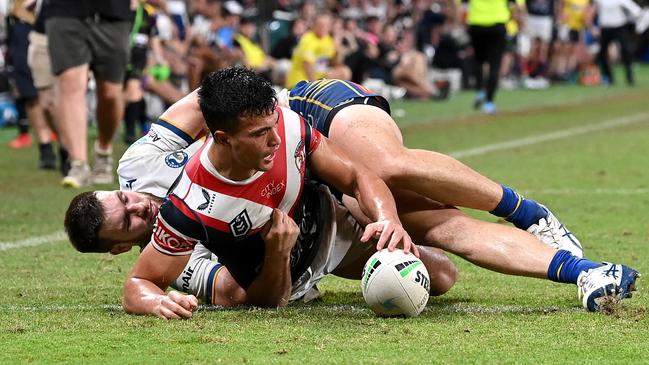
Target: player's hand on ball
{"x": 390, "y": 233}
{"x": 176, "y": 305}
{"x": 280, "y": 233}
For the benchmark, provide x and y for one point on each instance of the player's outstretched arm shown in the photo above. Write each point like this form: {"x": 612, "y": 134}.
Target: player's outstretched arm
{"x": 333, "y": 166}
{"x": 272, "y": 287}
{"x": 144, "y": 287}
{"x": 186, "y": 114}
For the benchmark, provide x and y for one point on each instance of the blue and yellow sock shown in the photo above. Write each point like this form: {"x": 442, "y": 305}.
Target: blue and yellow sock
{"x": 565, "y": 267}
{"x": 518, "y": 210}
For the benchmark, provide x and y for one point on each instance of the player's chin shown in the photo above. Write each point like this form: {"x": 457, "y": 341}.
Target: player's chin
{"x": 266, "y": 165}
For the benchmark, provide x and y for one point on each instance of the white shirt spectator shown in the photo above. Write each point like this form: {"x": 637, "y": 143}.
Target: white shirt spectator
{"x": 616, "y": 13}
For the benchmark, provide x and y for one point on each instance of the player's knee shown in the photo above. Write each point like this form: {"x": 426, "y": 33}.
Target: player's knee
{"x": 443, "y": 278}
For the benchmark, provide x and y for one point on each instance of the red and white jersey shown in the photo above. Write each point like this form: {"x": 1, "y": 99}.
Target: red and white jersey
{"x": 226, "y": 215}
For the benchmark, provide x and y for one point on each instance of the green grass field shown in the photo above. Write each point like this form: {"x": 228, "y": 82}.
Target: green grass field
{"x": 582, "y": 151}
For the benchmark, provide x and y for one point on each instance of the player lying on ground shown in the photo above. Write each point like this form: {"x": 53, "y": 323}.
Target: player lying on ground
{"x": 442, "y": 225}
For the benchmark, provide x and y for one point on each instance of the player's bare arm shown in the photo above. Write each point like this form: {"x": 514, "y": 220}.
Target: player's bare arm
{"x": 272, "y": 288}
{"x": 144, "y": 289}
{"x": 186, "y": 115}
{"x": 333, "y": 166}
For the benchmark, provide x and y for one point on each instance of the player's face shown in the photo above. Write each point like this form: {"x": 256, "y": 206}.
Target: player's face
{"x": 128, "y": 218}
{"x": 255, "y": 143}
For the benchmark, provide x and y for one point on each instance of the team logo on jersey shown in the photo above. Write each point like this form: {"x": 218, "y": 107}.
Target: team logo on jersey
{"x": 272, "y": 189}
{"x": 206, "y": 195}
{"x": 299, "y": 156}
{"x": 176, "y": 159}
{"x": 241, "y": 224}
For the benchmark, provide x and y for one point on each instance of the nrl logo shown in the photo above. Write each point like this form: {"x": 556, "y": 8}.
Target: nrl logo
{"x": 241, "y": 224}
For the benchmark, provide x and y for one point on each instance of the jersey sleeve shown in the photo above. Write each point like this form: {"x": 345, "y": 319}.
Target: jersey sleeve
{"x": 312, "y": 137}
{"x": 200, "y": 276}
{"x": 174, "y": 233}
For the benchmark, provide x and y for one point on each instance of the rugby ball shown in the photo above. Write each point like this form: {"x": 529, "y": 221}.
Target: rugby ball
{"x": 395, "y": 284}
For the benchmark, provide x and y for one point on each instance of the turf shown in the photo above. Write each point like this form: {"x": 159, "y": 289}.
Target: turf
{"x": 62, "y": 307}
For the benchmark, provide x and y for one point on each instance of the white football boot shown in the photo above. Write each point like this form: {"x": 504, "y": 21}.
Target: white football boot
{"x": 612, "y": 282}
{"x": 554, "y": 234}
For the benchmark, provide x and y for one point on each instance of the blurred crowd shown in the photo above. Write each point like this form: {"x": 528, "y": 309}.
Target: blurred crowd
{"x": 119, "y": 63}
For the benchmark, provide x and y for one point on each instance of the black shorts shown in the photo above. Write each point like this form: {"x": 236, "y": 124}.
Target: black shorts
{"x": 18, "y": 46}
{"x": 103, "y": 44}
{"x": 377, "y": 101}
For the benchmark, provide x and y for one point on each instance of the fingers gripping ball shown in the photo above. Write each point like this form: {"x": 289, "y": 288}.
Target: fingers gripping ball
{"x": 395, "y": 283}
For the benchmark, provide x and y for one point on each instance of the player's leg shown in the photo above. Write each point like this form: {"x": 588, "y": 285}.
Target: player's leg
{"x": 369, "y": 134}
{"x": 506, "y": 250}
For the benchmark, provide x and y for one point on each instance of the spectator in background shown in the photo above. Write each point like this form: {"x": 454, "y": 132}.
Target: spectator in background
{"x": 85, "y": 35}
{"x": 538, "y": 31}
{"x": 486, "y": 19}
{"x": 411, "y": 72}
{"x": 20, "y": 22}
{"x": 350, "y": 40}
{"x": 316, "y": 55}
{"x": 614, "y": 15}
{"x": 143, "y": 38}
{"x": 254, "y": 57}
{"x": 283, "y": 50}
{"x": 38, "y": 59}
{"x": 212, "y": 49}
{"x": 575, "y": 14}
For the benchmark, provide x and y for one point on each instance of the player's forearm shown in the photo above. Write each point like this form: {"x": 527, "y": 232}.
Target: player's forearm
{"x": 141, "y": 296}
{"x": 375, "y": 198}
{"x": 272, "y": 288}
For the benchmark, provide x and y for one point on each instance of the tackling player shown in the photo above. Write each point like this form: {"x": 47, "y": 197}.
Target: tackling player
{"x": 359, "y": 121}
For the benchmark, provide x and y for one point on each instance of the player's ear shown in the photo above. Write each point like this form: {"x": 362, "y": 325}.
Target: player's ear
{"x": 221, "y": 137}
{"x": 120, "y": 248}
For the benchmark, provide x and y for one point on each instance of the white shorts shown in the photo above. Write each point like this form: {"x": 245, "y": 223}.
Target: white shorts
{"x": 199, "y": 275}
{"x": 539, "y": 27}
{"x": 38, "y": 58}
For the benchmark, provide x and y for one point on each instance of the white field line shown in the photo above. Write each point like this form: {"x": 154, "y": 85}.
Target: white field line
{"x": 459, "y": 308}
{"x": 34, "y": 241}
{"x": 539, "y": 138}
{"x": 566, "y": 133}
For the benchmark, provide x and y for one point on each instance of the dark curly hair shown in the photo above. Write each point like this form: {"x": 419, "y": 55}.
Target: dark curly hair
{"x": 228, "y": 94}
{"x": 84, "y": 217}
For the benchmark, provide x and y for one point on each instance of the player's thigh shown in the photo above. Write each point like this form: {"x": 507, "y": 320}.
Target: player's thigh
{"x": 367, "y": 134}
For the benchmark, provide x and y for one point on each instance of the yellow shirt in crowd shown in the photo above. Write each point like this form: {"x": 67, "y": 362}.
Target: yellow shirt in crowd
{"x": 253, "y": 53}
{"x": 312, "y": 49}
{"x": 574, "y": 13}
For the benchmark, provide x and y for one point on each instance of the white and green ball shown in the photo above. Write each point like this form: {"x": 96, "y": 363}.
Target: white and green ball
{"x": 395, "y": 283}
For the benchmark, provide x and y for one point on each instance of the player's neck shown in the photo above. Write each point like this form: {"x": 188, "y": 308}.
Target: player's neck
{"x": 222, "y": 160}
